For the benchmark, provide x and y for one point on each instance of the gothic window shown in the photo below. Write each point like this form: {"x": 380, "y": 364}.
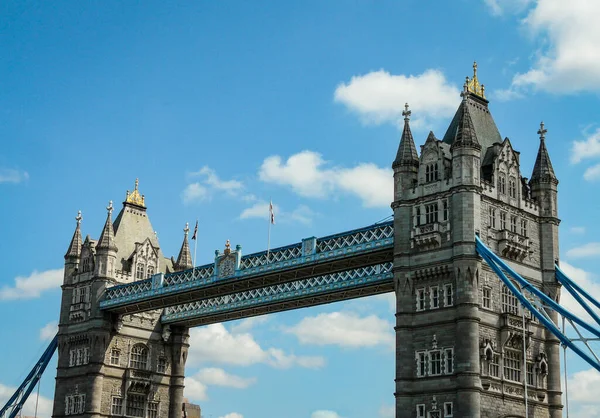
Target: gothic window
{"x": 492, "y": 215}
{"x": 448, "y": 412}
{"x": 512, "y": 187}
{"x": 510, "y": 303}
{"x": 153, "y": 410}
{"x": 494, "y": 366}
{"x": 74, "y": 404}
{"x": 513, "y": 224}
{"x": 421, "y": 364}
{"x": 512, "y": 365}
{"x": 502, "y": 220}
{"x": 139, "y": 357}
{"x": 162, "y": 365}
{"x": 135, "y": 405}
{"x": 434, "y": 297}
{"x": 502, "y": 184}
{"x": 418, "y": 216}
{"x": 445, "y": 210}
{"x": 115, "y": 355}
{"x": 139, "y": 273}
{"x": 530, "y": 380}
{"x": 79, "y": 356}
{"x": 86, "y": 264}
{"x": 487, "y": 298}
{"x": 420, "y": 299}
{"x": 421, "y": 411}
{"x": 150, "y": 270}
{"x": 431, "y": 172}
{"x": 431, "y": 213}
{"x": 524, "y": 227}
{"x": 435, "y": 363}
{"x": 449, "y": 360}
{"x": 448, "y": 295}
{"x": 116, "y": 406}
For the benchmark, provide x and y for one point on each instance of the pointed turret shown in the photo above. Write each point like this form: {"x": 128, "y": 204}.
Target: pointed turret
{"x": 107, "y": 237}
{"x": 184, "y": 259}
{"x": 407, "y": 152}
{"x": 465, "y": 131}
{"x": 74, "y": 251}
{"x": 542, "y": 170}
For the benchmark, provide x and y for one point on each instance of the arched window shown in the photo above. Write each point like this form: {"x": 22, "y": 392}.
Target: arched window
{"x": 150, "y": 270}
{"x": 502, "y": 184}
{"x": 139, "y": 273}
{"x": 512, "y": 188}
{"x": 139, "y": 357}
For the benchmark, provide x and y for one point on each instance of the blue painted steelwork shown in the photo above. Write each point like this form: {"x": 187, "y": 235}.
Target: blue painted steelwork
{"x": 499, "y": 267}
{"x": 328, "y": 283}
{"x": 309, "y": 251}
{"x": 17, "y": 400}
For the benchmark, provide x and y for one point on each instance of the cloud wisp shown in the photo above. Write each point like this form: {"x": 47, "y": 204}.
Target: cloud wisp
{"x": 32, "y": 286}
{"x": 12, "y": 176}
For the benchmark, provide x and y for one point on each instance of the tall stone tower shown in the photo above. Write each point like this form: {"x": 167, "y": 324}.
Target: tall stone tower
{"x": 459, "y": 331}
{"x": 129, "y": 365}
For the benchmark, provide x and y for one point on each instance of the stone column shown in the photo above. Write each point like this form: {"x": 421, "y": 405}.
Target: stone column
{"x": 179, "y": 346}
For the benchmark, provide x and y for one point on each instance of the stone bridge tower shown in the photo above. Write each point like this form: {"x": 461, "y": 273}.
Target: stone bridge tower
{"x": 459, "y": 331}
{"x": 116, "y": 366}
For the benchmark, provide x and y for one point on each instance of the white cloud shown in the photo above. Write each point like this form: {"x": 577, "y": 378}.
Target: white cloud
{"x": 587, "y": 148}
{"x": 44, "y": 408}
{"x": 570, "y": 61}
{"x": 583, "y": 386}
{"x": 194, "y": 192}
{"x": 213, "y": 376}
{"x": 208, "y": 184}
{"x": 378, "y": 97}
{"x": 325, "y": 414}
{"x": 8, "y": 175}
{"x": 590, "y": 249}
{"x": 500, "y": 7}
{"x": 387, "y": 411}
{"x": 247, "y": 324}
{"x": 579, "y": 230}
{"x": 194, "y": 389}
{"x": 592, "y": 173}
{"x": 345, "y": 329}
{"x": 214, "y": 343}
{"x": 309, "y": 175}
{"x": 49, "y": 331}
{"x": 586, "y": 281}
{"x": 302, "y": 214}
{"x": 32, "y": 286}
{"x": 232, "y": 415}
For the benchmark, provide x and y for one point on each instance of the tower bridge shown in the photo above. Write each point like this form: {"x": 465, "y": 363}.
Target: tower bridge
{"x": 460, "y": 352}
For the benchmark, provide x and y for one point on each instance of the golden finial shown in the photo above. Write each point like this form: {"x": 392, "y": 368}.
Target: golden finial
{"x": 135, "y": 197}
{"x": 227, "y": 248}
{"x": 473, "y": 85}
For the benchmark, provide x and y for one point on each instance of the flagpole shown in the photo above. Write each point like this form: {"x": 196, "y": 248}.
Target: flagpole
{"x": 195, "y": 243}
{"x": 270, "y": 218}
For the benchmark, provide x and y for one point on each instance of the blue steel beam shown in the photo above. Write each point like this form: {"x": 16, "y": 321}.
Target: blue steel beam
{"x": 340, "y": 252}
{"x": 312, "y": 291}
{"x": 18, "y": 399}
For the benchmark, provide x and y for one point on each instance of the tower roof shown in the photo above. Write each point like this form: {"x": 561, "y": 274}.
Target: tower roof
{"x": 107, "y": 237}
{"x": 542, "y": 170}
{"x": 484, "y": 128}
{"x": 407, "y": 152}
{"x": 184, "y": 259}
{"x": 76, "y": 242}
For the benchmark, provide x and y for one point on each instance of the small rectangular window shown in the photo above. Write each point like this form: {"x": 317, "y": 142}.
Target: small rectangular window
{"x": 524, "y": 227}
{"x": 449, "y": 360}
{"x": 434, "y": 295}
{"x": 492, "y": 216}
{"x": 418, "y": 216}
{"x": 494, "y": 366}
{"x": 431, "y": 213}
{"x": 448, "y": 295}
{"x": 502, "y": 220}
{"x": 513, "y": 224}
{"x": 530, "y": 375}
{"x": 117, "y": 406}
{"x": 512, "y": 365}
{"x": 510, "y": 303}
{"x": 421, "y": 364}
{"x": 162, "y": 365}
{"x": 445, "y": 210}
{"x": 487, "y": 298}
{"x": 115, "y": 355}
{"x": 447, "y": 409}
{"x": 421, "y": 411}
{"x": 435, "y": 363}
{"x": 135, "y": 405}
{"x": 153, "y": 410}
{"x": 420, "y": 299}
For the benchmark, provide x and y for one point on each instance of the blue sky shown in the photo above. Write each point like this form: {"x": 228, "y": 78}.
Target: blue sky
{"x": 219, "y": 106}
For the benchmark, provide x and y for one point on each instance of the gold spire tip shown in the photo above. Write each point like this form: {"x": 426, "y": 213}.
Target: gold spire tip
{"x": 135, "y": 197}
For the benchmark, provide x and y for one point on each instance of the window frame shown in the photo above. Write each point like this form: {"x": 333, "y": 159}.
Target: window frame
{"x": 421, "y": 359}
{"x": 435, "y": 363}
{"x": 448, "y": 412}
{"x": 446, "y": 294}
{"x": 434, "y": 301}
{"x": 448, "y": 359}
{"x": 512, "y": 366}
{"x": 431, "y": 213}
{"x": 492, "y": 216}
{"x": 116, "y": 405}
{"x": 140, "y": 361}
{"x": 488, "y": 299}
{"x": 421, "y": 410}
{"x": 420, "y": 296}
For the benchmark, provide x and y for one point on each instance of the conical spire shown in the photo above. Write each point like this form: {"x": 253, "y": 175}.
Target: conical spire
{"x": 407, "y": 152}
{"x": 465, "y": 131}
{"x": 74, "y": 250}
{"x": 184, "y": 259}
{"x": 107, "y": 237}
{"x": 542, "y": 170}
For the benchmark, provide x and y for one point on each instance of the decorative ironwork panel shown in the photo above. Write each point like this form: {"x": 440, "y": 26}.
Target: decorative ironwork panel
{"x": 271, "y": 294}
{"x": 277, "y": 254}
{"x": 197, "y": 273}
{"x": 352, "y": 238}
{"x": 125, "y": 291}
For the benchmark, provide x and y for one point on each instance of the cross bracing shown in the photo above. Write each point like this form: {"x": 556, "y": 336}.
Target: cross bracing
{"x": 309, "y": 258}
